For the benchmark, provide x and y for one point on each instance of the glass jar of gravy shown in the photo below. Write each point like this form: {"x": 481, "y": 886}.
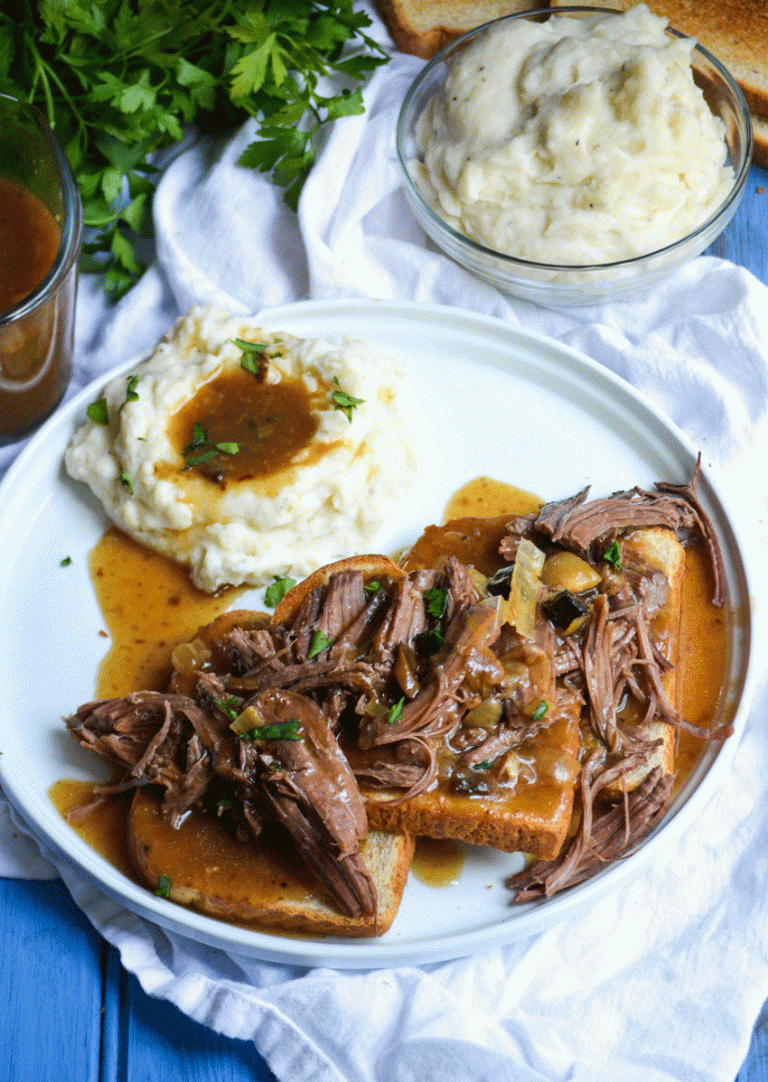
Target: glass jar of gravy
{"x": 41, "y": 221}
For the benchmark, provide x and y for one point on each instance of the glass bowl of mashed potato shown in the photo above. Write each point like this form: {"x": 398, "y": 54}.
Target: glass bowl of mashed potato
{"x": 574, "y": 156}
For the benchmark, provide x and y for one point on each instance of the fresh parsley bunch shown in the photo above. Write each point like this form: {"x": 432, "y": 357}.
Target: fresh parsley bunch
{"x": 120, "y": 79}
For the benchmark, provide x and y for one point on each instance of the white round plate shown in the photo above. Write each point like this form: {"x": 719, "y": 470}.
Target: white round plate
{"x": 488, "y": 399}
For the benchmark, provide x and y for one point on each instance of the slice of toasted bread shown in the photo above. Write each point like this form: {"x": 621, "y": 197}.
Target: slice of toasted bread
{"x": 535, "y": 816}
{"x": 424, "y": 27}
{"x": 532, "y": 818}
{"x": 260, "y": 883}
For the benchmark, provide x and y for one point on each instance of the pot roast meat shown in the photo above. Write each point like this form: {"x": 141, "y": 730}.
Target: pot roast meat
{"x": 376, "y": 682}
{"x": 314, "y": 794}
{"x": 610, "y": 836}
{"x": 578, "y": 525}
{"x": 154, "y": 738}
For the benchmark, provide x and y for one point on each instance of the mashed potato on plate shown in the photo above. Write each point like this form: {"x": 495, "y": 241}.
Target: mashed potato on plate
{"x": 248, "y": 454}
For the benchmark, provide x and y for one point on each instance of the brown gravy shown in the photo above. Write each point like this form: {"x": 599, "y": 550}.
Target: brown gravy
{"x": 104, "y": 829}
{"x": 437, "y": 862}
{"x": 29, "y": 241}
{"x": 485, "y": 497}
{"x": 271, "y": 423}
{"x": 35, "y": 349}
{"x": 149, "y": 606}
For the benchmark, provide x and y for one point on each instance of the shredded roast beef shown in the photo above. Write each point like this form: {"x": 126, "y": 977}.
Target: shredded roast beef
{"x": 395, "y": 671}
{"x": 613, "y": 835}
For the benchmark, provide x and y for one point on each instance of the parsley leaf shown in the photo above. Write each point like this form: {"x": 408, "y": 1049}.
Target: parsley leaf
{"x": 199, "y": 439}
{"x": 429, "y": 642}
{"x": 97, "y": 411}
{"x": 198, "y": 460}
{"x": 163, "y": 888}
{"x": 277, "y": 590}
{"x": 320, "y": 642}
{"x": 343, "y": 401}
{"x": 613, "y": 556}
{"x": 395, "y": 713}
{"x": 281, "y": 730}
{"x": 131, "y": 394}
{"x": 227, "y": 706}
{"x": 252, "y": 359}
{"x": 540, "y": 711}
{"x": 119, "y": 80}
{"x": 437, "y": 601}
{"x": 65, "y": 562}
{"x": 125, "y": 480}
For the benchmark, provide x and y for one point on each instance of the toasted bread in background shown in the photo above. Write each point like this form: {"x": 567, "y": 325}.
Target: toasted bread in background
{"x": 734, "y": 31}
{"x": 253, "y": 883}
{"x": 424, "y": 27}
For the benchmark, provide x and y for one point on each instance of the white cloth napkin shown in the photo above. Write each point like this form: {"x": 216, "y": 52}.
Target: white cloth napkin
{"x": 660, "y": 981}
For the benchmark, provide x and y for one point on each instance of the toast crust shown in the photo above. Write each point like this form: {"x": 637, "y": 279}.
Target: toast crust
{"x": 262, "y": 884}
{"x": 424, "y": 27}
{"x": 371, "y": 566}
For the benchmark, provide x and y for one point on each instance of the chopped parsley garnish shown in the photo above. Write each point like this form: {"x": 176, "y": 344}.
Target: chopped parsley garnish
{"x": 228, "y": 706}
{"x": 163, "y": 888}
{"x": 281, "y": 730}
{"x": 224, "y": 804}
{"x": 540, "y": 711}
{"x": 485, "y": 765}
{"x": 436, "y": 602}
{"x": 249, "y": 347}
{"x": 130, "y": 392}
{"x": 343, "y": 401}
{"x": 198, "y": 460}
{"x": 65, "y": 562}
{"x": 97, "y": 411}
{"x": 320, "y": 642}
{"x": 253, "y": 359}
{"x": 125, "y": 480}
{"x": 613, "y": 556}
{"x": 277, "y": 590}
{"x": 201, "y": 440}
{"x": 395, "y": 713}
{"x": 371, "y": 587}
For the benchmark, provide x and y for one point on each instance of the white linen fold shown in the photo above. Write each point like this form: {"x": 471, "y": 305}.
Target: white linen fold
{"x": 660, "y": 981}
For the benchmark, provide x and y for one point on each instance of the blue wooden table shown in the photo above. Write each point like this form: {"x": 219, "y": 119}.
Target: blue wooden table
{"x": 69, "y": 1013}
